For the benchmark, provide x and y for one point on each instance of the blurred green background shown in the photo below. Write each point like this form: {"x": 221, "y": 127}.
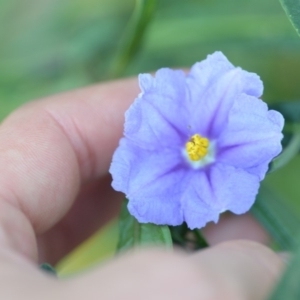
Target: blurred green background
{"x": 53, "y": 46}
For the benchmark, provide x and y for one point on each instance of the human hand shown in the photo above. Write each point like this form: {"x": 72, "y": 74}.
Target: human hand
{"x": 55, "y": 191}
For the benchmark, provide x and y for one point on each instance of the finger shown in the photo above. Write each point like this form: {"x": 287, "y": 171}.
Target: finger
{"x": 240, "y": 269}
{"x": 232, "y": 271}
{"x": 232, "y": 227}
{"x": 48, "y": 149}
{"x": 66, "y": 235}
{"x": 237, "y": 270}
{"x": 95, "y": 205}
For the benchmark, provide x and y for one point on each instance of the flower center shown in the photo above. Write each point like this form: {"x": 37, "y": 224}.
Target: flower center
{"x": 197, "y": 147}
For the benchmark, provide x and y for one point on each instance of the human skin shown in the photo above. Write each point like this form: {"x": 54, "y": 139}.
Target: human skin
{"x": 55, "y": 191}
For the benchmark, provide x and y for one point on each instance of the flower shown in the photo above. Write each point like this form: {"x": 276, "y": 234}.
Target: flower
{"x": 195, "y": 145}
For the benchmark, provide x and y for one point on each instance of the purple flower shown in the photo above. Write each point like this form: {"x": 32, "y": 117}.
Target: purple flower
{"x": 195, "y": 145}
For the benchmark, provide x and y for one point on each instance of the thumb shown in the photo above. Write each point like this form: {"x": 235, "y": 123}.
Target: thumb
{"x": 234, "y": 270}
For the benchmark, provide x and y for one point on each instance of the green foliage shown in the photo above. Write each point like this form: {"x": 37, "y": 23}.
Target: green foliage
{"x": 291, "y": 143}
{"x": 286, "y": 181}
{"x": 292, "y": 9}
{"x": 290, "y": 110}
{"x": 52, "y": 46}
{"x": 187, "y": 238}
{"x": 289, "y": 287}
{"x": 48, "y": 268}
{"x": 98, "y": 248}
{"x": 133, "y": 36}
{"x": 62, "y": 45}
{"x": 280, "y": 221}
{"x": 288, "y": 153}
{"x": 133, "y": 234}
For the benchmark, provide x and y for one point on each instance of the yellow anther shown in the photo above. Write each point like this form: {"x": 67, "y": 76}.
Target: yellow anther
{"x": 197, "y": 147}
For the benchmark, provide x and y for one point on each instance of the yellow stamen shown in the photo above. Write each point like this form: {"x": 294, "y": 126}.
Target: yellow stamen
{"x": 197, "y": 147}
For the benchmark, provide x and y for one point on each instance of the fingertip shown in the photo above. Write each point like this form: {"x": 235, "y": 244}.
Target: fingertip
{"x": 246, "y": 269}
{"x": 233, "y": 227}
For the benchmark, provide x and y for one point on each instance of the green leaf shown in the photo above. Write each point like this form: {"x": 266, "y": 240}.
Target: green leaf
{"x": 274, "y": 214}
{"x": 187, "y": 238}
{"x": 133, "y": 35}
{"x": 292, "y": 9}
{"x": 288, "y": 153}
{"x": 133, "y": 234}
{"x": 291, "y": 142}
{"x": 200, "y": 241}
{"x": 289, "y": 287}
{"x": 100, "y": 247}
{"x": 179, "y": 234}
{"x": 48, "y": 268}
{"x": 289, "y": 109}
